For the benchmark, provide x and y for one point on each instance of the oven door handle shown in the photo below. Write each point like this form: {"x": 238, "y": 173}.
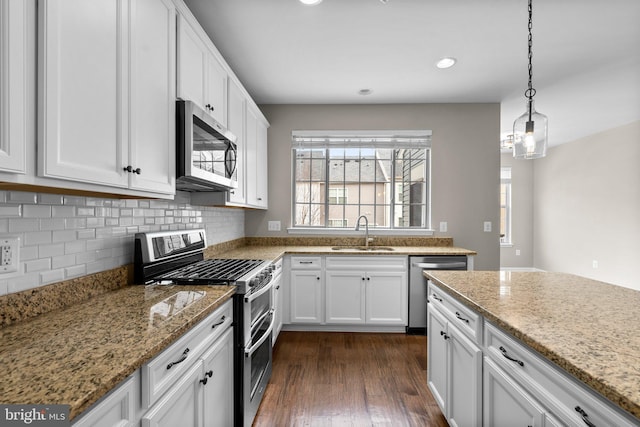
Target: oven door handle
{"x": 267, "y": 334}
{"x": 265, "y": 288}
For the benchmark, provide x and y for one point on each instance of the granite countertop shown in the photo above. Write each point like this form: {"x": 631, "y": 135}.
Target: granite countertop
{"x": 588, "y": 328}
{"x": 73, "y": 356}
{"x": 273, "y": 253}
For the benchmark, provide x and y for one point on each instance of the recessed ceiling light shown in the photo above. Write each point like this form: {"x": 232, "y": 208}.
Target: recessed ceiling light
{"x": 310, "y": 2}
{"x": 446, "y": 62}
{"x": 365, "y": 92}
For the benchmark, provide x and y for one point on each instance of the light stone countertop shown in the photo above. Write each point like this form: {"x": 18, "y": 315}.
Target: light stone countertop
{"x": 75, "y": 355}
{"x": 590, "y": 329}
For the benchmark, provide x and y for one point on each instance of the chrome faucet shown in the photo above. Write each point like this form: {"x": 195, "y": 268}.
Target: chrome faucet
{"x": 366, "y": 229}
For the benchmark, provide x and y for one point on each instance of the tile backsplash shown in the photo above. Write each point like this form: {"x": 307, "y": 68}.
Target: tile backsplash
{"x": 62, "y": 237}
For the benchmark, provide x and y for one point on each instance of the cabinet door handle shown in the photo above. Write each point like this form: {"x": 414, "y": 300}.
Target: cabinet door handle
{"x": 461, "y": 318}
{"x": 305, "y": 262}
{"x": 222, "y": 319}
{"x": 444, "y": 335}
{"x": 182, "y": 359}
{"x": 585, "y": 416}
{"x": 318, "y": 278}
{"x": 277, "y": 287}
{"x": 506, "y": 355}
{"x": 206, "y": 374}
{"x": 363, "y": 278}
{"x": 436, "y": 298}
{"x": 130, "y": 169}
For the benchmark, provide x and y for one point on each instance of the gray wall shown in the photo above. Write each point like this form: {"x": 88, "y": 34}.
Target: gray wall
{"x": 465, "y": 163}
{"x": 522, "y": 214}
{"x": 63, "y": 237}
{"x": 587, "y": 207}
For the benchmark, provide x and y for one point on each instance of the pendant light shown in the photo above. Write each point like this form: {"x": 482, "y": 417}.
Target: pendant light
{"x": 530, "y": 129}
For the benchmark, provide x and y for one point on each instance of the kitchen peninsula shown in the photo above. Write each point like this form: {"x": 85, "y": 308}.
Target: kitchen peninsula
{"x": 572, "y": 328}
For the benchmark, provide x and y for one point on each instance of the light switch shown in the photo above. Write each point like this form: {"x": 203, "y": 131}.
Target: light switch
{"x": 443, "y": 226}
{"x": 274, "y": 225}
{"x": 487, "y": 226}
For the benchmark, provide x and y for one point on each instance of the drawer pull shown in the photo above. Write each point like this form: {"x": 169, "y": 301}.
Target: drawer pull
{"x": 461, "y": 318}
{"x": 305, "y": 262}
{"x": 504, "y": 353}
{"x": 585, "y": 416}
{"x": 182, "y": 359}
{"x": 222, "y": 319}
{"x": 444, "y": 335}
{"x": 206, "y": 374}
{"x": 436, "y": 297}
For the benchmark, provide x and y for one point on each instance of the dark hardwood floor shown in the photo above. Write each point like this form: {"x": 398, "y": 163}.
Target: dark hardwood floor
{"x": 349, "y": 379}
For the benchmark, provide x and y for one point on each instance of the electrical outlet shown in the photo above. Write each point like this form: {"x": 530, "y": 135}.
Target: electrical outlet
{"x": 594, "y": 264}
{"x": 517, "y": 252}
{"x": 9, "y": 254}
{"x": 273, "y": 225}
{"x": 443, "y": 226}
{"x": 487, "y": 226}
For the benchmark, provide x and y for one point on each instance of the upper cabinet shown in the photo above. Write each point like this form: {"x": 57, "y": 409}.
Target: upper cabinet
{"x": 256, "y": 138}
{"x": 106, "y": 82}
{"x": 13, "y": 84}
{"x": 201, "y": 76}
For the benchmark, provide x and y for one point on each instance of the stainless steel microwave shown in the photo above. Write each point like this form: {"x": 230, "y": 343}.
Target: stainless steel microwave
{"x": 206, "y": 151}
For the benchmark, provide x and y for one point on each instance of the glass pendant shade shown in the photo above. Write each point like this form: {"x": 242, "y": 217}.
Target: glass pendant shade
{"x": 530, "y": 134}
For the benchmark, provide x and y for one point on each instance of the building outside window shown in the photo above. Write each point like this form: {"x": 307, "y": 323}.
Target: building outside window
{"x": 342, "y": 175}
{"x": 505, "y": 206}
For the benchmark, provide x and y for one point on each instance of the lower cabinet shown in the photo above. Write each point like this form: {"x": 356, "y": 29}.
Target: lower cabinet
{"x": 306, "y": 296}
{"x": 203, "y": 396}
{"x": 454, "y": 371}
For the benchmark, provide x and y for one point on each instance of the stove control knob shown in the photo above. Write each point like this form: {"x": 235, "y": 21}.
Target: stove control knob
{"x": 254, "y": 282}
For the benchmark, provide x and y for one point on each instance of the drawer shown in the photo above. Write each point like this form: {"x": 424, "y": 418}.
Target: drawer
{"x": 118, "y": 408}
{"x": 306, "y": 262}
{"x": 165, "y": 369}
{"x": 367, "y": 263}
{"x": 552, "y": 386}
{"x": 465, "y": 319}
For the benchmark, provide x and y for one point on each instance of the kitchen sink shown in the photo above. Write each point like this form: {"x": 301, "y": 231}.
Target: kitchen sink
{"x": 361, "y": 248}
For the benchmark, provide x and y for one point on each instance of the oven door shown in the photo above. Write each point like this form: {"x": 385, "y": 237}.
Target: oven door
{"x": 256, "y": 306}
{"x": 257, "y": 365}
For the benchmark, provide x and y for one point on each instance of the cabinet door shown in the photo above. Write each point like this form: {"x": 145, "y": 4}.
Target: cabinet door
{"x": 262, "y": 177}
{"x": 192, "y": 64}
{"x": 345, "y": 297}
{"x": 218, "y": 389}
{"x": 252, "y": 156}
{"x": 306, "y": 296}
{"x": 181, "y": 405}
{"x": 506, "y": 404}
{"x": 13, "y": 84}
{"x": 437, "y": 356}
{"x": 216, "y": 90}
{"x": 278, "y": 305}
{"x": 387, "y": 302}
{"x": 152, "y": 115}
{"x": 235, "y": 120}
{"x": 83, "y": 63}
{"x": 464, "y": 380}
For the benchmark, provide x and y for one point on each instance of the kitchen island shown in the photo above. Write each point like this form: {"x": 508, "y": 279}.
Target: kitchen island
{"x": 588, "y": 329}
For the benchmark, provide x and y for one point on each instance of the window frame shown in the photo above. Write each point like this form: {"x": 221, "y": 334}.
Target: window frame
{"x": 506, "y": 181}
{"x": 327, "y": 140}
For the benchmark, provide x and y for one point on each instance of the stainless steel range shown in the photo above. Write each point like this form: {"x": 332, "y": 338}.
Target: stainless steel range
{"x": 177, "y": 258}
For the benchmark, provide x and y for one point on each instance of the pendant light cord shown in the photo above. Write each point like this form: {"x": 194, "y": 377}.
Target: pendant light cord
{"x": 530, "y": 92}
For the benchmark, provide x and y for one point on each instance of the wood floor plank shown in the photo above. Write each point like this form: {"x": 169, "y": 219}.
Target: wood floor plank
{"x": 337, "y": 379}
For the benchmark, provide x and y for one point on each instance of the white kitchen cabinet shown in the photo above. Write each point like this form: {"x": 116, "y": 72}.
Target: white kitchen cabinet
{"x": 506, "y": 403}
{"x": 306, "y": 285}
{"x": 256, "y": 160}
{"x": 236, "y": 123}
{"x": 191, "y": 383}
{"x": 454, "y": 371}
{"x": 366, "y": 290}
{"x": 14, "y": 91}
{"x": 201, "y": 76}
{"x": 278, "y": 300}
{"x": 106, "y": 86}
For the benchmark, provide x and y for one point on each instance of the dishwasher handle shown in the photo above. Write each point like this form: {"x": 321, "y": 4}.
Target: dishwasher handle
{"x": 440, "y": 265}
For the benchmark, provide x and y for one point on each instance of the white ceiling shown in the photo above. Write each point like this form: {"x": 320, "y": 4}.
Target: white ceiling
{"x": 586, "y": 54}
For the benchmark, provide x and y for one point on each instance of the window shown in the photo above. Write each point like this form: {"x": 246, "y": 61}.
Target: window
{"x": 342, "y": 175}
{"x": 505, "y": 206}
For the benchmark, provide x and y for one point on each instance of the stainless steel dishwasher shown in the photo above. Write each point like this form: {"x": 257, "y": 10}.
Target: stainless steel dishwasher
{"x": 418, "y": 286}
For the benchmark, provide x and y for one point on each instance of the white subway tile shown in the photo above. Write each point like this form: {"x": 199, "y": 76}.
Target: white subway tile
{"x": 63, "y": 261}
{"x": 131, "y": 203}
{"x": 95, "y": 244}
{"x": 95, "y": 267}
{"x": 53, "y": 224}
{"x": 75, "y": 223}
{"x": 111, "y": 222}
{"x": 51, "y": 276}
{"x": 23, "y": 282}
{"x": 63, "y": 211}
{"x": 75, "y": 247}
{"x": 21, "y": 197}
{"x": 4, "y": 225}
{"x": 18, "y": 225}
{"x": 50, "y": 199}
{"x": 89, "y": 233}
{"x": 10, "y": 211}
{"x": 37, "y": 265}
{"x": 75, "y": 271}
{"x": 85, "y": 257}
{"x": 74, "y": 200}
{"x": 51, "y": 250}
{"x": 86, "y": 211}
{"x": 28, "y": 253}
{"x": 37, "y": 238}
{"x": 36, "y": 211}
{"x": 95, "y": 222}
{"x": 4, "y": 287}
{"x": 64, "y": 236}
